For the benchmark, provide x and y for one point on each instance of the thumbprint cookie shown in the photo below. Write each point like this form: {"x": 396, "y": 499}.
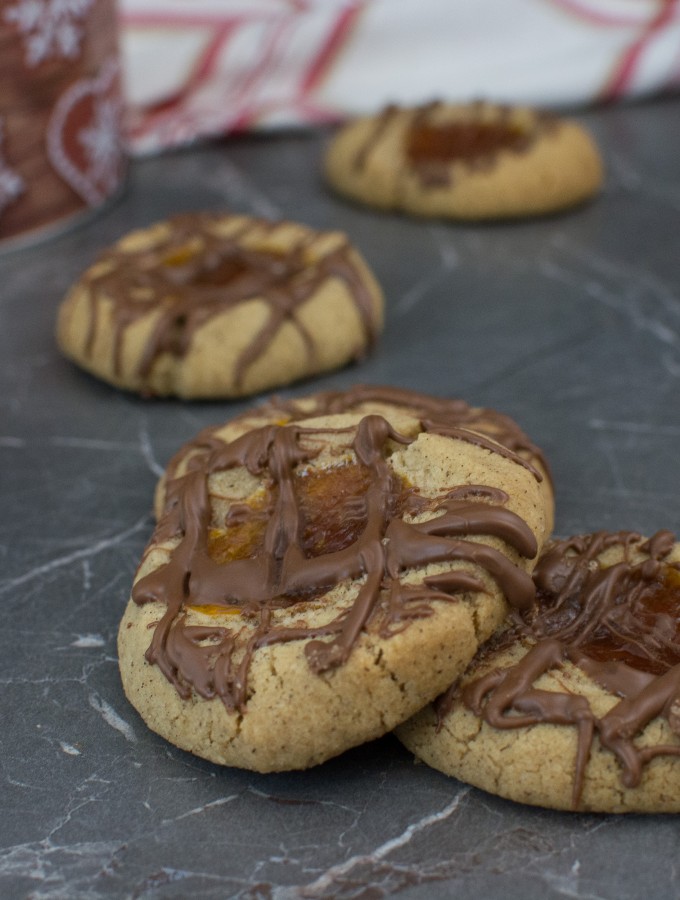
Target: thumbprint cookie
{"x": 211, "y": 305}
{"x": 314, "y": 581}
{"x": 577, "y": 704}
{"x": 465, "y": 161}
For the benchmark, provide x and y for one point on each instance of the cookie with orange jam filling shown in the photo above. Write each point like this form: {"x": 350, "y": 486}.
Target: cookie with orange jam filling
{"x": 214, "y": 305}
{"x": 311, "y": 584}
{"x": 577, "y": 705}
{"x": 465, "y": 161}
{"x": 365, "y": 399}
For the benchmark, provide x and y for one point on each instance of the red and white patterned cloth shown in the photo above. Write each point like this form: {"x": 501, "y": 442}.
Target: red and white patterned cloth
{"x": 198, "y": 68}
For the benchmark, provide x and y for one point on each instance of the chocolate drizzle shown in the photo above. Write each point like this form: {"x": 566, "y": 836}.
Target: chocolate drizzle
{"x": 195, "y": 273}
{"x": 618, "y": 623}
{"x": 288, "y": 564}
{"x": 434, "y": 142}
{"x": 439, "y": 414}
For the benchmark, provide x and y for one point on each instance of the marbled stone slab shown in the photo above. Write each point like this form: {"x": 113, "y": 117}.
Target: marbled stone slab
{"x": 570, "y": 324}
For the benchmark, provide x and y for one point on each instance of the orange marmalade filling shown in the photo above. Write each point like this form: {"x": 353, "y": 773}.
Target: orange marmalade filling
{"x": 226, "y": 271}
{"x": 208, "y": 270}
{"x": 240, "y": 541}
{"x": 331, "y": 507}
{"x": 182, "y": 254}
{"x": 642, "y": 639}
{"x": 332, "y": 512}
{"x": 428, "y": 143}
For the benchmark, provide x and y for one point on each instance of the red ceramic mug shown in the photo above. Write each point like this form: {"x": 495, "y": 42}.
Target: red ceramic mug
{"x": 61, "y": 152}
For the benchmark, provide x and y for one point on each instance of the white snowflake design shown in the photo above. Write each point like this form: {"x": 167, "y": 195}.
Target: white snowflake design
{"x": 51, "y": 28}
{"x": 101, "y": 144}
{"x": 12, "y": 186}
{"x": 94, "y": 173}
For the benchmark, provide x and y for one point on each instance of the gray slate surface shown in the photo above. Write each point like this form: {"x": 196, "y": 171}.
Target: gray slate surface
{"x": 570, "y": 324}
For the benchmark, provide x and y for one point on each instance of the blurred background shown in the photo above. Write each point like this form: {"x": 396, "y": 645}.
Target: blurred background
{"x": 204, "y": 67}
{"x": 84, "y": 84}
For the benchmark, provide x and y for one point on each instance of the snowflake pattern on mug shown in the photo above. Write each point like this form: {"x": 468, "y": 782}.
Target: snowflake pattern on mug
{"x": 83, "y": 135}
{"x": 51, "y": 28}
{"x": 101, "y": 144}
{"x": 11, "y": 184}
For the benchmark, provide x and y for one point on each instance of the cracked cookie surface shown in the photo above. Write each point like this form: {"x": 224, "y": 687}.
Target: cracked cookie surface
{"x": 577, "y": 705}
{"x": 214, "y": 305}
{"x": 365, "y": 399}
{"x": 302, "y": 572}
{"x": 465, "y": 161}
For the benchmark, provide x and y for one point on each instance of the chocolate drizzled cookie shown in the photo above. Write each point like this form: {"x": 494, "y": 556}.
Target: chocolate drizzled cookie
{"x": 300, "y": 574}
{"x": 443, "y": 413}
{"x": 214, "y": 305}
{"x": 464, "y": 161}
{"x": 580, "y": 697}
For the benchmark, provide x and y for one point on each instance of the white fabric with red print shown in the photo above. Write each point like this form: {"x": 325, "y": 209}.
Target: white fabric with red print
{"x": 197, "y": 68}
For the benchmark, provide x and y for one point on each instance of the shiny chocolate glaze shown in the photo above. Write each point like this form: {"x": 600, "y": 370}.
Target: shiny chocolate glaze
{"x": 194, "y": 274}
{"x": 440, "y": 414}
{"x": 619, "y": 623}
{"x": 291, "y": 553}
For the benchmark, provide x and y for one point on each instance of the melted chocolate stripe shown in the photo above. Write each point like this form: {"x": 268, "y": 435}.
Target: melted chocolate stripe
{"x": 462, "y": 517}
{"x": 433, "y": 146}
{"x": 218, "y": 274}
{"x": 438, "y": 415}
{"x": 630, "y": 716}
{"x": 620, "y": 624}
{"x": 411, "y": 545}
{"x": 379, "y": 127}
{"x": 283, "y": 573}
{"x": 463, "y": 434}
